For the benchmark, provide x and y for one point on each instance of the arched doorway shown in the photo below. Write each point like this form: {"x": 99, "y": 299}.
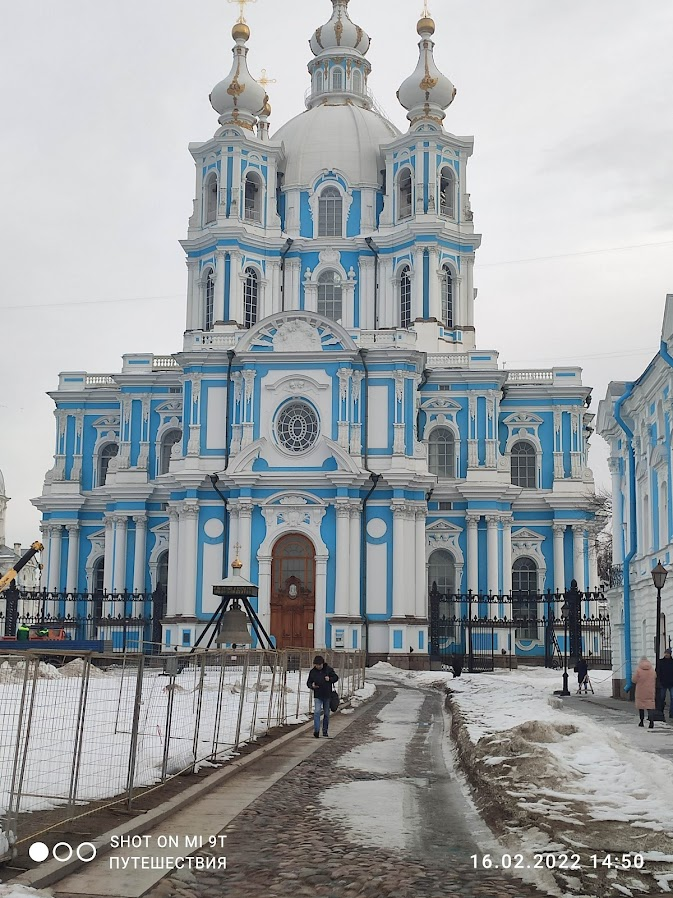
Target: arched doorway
{"x": 160, "y": 598}
{"x": 293, "y": 592}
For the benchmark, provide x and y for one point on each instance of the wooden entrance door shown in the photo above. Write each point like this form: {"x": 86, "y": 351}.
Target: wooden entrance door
{"x": 293, "y": 592}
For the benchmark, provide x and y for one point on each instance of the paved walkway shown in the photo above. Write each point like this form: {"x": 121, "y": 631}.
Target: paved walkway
{"x": 375, "y": 811}
{"x": 623, "y": 717}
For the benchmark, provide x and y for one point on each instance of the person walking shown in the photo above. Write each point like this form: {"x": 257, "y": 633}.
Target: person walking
{"x": 645, "y": 679}
{"x": 321, "y": 679}
{"x": 665, "y": 677}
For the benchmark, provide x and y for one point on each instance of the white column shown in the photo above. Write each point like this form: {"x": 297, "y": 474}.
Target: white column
{"x": 342, "y": 558}
{"x": 421, "y": 565}
{"x": 409, "y": 606}
{"x": 578, "y": 555}
{"x": 273, "y": 305}
{"x": 109, "y": 553}
{"x": 73, "y": 557}
{"x": 472, "y": 553}
{"x": 189, "y": 517}
{"x": 417, "y": 285}
{"x": 139, "y": 562}
{"x": 235, "y": 287}
{"x": 194, "y": 314}
{"x": 399, "y": 512}
{"x": 354, "y": 586}
{"x": 593, "y": 560}
{"x": 233, "y": 537}
{"x": 119, "y": 577}
{"x": 492, "y": 553}
{"x": 559, "y": 560}
{"x": 173, "y": 554}
{"x": 617, "y": 511}
{"x": 264, "y": 595}
{"x": 388, "y": 311}
{"x": 507, "y": 555}
{"x": 435, "y": 294}
{"x": 54, "y": 577}
{"x": 218, "y": 309}
{"x": 320, "y": 602}
{"x": 245, "y": 535}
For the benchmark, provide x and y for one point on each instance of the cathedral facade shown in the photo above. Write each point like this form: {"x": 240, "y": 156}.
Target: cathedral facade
{"x": 329, "y": 418}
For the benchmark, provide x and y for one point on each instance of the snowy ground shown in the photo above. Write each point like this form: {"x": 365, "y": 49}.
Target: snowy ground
{"x": 552, "y": 780}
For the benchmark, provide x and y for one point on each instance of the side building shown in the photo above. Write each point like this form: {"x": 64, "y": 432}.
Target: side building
{"x": 329, "y": 386}
{"x": 636, "y": 420}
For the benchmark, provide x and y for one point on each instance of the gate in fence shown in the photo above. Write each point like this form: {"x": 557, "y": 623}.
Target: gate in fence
{"x": 481, "y": 632}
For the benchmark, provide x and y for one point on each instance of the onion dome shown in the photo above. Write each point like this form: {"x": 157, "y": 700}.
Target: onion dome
{"x": 239, "y": 99}
{"x": 427, "y": 94}
{"x": 340, "y": 33}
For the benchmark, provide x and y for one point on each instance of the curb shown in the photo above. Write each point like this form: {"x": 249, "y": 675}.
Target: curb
{"x": 54, "y": 871}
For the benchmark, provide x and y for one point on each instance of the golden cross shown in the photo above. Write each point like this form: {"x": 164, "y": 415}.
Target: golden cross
{"x": 237, "y": 549}
{"x": 426, "y": 11}
{"x": 264, "y": 79}
{"x": 242, "y": 3}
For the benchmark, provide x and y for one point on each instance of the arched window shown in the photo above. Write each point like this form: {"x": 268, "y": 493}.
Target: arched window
{"x": 251, "y": 297}
{"x": 330, "y": 213}
{"x": 319, "y": 82}
{"x": 330, "y": 297}
{"x": 525, "y": 598}
{"x": 210, "y": 192}
{"x": 524, "y": 465}
{"x": 442, "y": 572}
{"x": 98, "y": 578}
{"x": 357, "y": 81}
{"x": 106, "y": 454}
{"x": 209, "y": 304}
{"x": 442, "y": 453}
{"x": 447, "y": 192}
{"x": 447, "y": 297}
{"x": 663, "y": 515}
{"x": 253, "y": 197}
{"x": 405, "y": 297}
{"x": 337, "y": 79}
{"x": 168, "y": 441}
{"x": 404, "y": 198}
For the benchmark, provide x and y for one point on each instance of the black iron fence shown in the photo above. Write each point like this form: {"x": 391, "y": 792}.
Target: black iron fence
{"x": 482, "y": 632}
{"x": 126, "y": 622}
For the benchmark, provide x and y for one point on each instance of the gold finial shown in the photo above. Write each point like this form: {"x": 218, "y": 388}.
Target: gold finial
{"x": 426, "y": 24}
{"x": 426, "y": 12}
{"x": 264, "y": 79}
{"x": 241, "y": 4}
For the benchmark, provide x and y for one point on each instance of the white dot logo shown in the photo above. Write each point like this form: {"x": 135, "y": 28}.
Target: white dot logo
{"x": 38, "y": 852}
{"x": 62, "y": 852}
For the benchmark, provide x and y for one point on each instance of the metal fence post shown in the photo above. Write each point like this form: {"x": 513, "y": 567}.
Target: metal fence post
{"x": 135, "y": 731}
{"x": 79, "y": 734}
{"x": 239, "y": 720}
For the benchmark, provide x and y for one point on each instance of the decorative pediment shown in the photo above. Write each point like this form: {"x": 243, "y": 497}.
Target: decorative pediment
{"x": 107, "y": 422}
{"x": 297, "y": 332}
{"x": 526, "y": 535}
{"x": 523, "y": 419}
{"x": 441, "y": 404}
{"x": 172, "y": 407}
{"x": 445, "y": 535}
{"x": 659, "y": 456}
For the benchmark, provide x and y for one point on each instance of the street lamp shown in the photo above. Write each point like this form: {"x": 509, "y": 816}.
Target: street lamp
{"x": 564, "y": 614}
{"x": 659, "y": 574}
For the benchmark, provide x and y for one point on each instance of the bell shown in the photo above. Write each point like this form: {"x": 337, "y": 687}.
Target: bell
{"x": 234, "y": 628}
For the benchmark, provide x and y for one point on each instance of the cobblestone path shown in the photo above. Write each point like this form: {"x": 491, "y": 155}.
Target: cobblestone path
{"x": 290, "y": 844}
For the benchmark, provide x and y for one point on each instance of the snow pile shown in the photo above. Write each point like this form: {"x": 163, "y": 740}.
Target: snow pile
{"x": 76, "y": 667}
{"x": 554, "y": 779}
{"x": 14, "y": 890}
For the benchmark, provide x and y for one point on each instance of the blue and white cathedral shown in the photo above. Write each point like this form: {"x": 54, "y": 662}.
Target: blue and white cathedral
{"x": 363, "y": 447}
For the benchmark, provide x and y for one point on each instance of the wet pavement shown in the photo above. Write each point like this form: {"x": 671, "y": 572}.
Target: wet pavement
{"x": 376, "y": 811}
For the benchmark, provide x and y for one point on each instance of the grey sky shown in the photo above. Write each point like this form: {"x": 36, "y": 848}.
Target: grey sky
{"x": 570, "y": 105}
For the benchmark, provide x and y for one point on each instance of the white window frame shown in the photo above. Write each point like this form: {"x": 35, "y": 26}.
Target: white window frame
{"x": 406, "y": 213}
{"x": 255, "y": 213}
{"x": 210, "y": 208}
{"x": 450, "y": 211}
{"x": 445, "y": 425}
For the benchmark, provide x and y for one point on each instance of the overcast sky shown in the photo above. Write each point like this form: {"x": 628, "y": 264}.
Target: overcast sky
{"x": 570, "y": 104}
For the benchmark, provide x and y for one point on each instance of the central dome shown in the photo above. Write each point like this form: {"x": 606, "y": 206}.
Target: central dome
{"x": 344, "y": 137}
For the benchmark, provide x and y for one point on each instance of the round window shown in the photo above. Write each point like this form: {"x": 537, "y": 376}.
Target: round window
{"x": 297, "y": 427}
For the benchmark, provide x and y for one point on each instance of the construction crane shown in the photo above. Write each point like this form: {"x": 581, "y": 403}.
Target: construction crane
{"x": 7, "y": 578}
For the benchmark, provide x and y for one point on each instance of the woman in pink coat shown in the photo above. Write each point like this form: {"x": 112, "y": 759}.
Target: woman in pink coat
{"x": 645, "y": 679}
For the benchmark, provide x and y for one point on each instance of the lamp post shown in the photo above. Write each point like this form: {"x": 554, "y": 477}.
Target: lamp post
{"x": 564, "y": 615}
{"x": 659, "y": 574}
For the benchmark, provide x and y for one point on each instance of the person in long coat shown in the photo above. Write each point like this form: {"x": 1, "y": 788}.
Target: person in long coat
{"x": 645, "y": 679}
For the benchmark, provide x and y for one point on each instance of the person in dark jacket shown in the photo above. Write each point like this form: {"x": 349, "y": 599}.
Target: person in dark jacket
{"x": 582, "y": 671}
{"x": 665, "y": 676}
{"x": 321, "y": 679}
